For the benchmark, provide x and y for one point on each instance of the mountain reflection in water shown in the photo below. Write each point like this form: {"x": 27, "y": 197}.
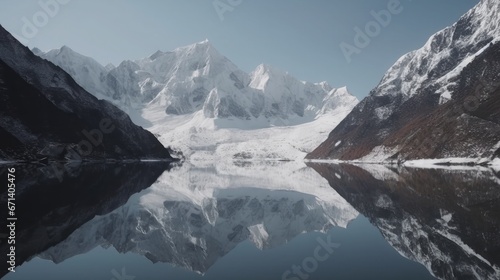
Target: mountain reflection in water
{"x": 53, "y": 201}
{"x": 199, "y": 218}
{"x": 446, "y": 219}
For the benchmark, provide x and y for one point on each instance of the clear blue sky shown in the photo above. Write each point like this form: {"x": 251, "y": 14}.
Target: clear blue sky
{"x": 302, "y": 37}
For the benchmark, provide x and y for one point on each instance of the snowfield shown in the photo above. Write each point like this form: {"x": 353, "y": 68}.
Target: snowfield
{"x": 205, "y": 139}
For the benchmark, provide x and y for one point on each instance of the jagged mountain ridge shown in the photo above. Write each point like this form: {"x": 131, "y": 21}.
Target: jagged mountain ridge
{"x": 442, "y": 57}
{"x": 89, "y": 71}
{"x": 437, "y": 102}
{"x": 45, "y": 114}
{"x": 198, "y": 78}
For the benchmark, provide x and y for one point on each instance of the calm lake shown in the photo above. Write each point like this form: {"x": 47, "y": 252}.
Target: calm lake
{"x": 253, "y": 220}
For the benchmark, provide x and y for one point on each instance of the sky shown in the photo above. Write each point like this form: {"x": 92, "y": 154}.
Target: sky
{"x": 313, "y": 40}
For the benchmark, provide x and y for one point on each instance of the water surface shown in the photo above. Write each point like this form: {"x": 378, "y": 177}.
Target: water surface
{"x": 257, "y": 221}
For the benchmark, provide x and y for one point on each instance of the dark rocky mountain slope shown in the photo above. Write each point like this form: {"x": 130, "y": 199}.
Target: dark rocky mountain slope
{"x": 440, "y": 101}
{"x": 45, "y": 114}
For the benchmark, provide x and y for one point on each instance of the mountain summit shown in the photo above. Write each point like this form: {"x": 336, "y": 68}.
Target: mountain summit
{"x": 198, "y": 78}
{"x": 440, "y": 101}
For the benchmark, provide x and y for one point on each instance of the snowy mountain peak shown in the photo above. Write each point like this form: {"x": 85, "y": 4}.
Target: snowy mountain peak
{"x": 67, "y": 55}
{"x": 264, "y": 74}
{"x": 203, "y": 47}
{"x": 197, "y": 78}
{"x": 110, "y": 66}
{"x": 266, "y": 68}
{"x": 66, "y": 51}
{"x": 129, "y": 64}
{"x": 65, "y": 48}
{"x": 342, "y": 94}
{"x": 444, "y": 55}
{"x": 342, "y": 91}
{"x": 89, "y": 73}
{"x": 324, "y": 85}
{"x": 205, "y": 42}
{"x": 156, "y": 55}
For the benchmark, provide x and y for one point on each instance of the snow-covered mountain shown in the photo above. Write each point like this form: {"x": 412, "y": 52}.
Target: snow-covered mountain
{"x": 436, "y": 102}
{"x": 197, "y": 77}
{"x": 197, "y": 85}
{"x": 89, "y": 72}
{"x": 195, "y": 215}
{"x": 444, "y": 55}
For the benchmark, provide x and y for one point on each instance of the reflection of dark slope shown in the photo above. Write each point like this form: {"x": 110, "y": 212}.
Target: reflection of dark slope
{"x": 447, "y": 220}
{"x": 49, "y": 210}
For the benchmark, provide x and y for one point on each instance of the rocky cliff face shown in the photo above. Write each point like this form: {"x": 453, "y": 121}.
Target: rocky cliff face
{"x": 44, "y": 113}
{"x": 439, "y": 101}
